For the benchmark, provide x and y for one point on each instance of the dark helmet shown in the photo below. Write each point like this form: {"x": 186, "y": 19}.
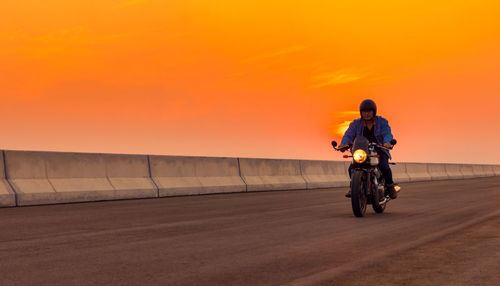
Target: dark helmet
{"x": 368, "y": 104}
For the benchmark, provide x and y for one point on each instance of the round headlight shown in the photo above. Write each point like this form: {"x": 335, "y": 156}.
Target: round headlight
{"x": 359, "y": 156}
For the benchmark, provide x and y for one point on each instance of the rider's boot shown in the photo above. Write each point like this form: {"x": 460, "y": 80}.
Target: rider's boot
{"x": 393, "y": 193}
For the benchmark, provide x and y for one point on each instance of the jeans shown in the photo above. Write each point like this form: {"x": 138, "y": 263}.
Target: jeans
{"x": 383, "y": 164}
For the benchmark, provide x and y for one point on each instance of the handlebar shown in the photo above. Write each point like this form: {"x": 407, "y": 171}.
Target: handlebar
{"x": 348, "y": 146}
{"x": 382, "y": 146}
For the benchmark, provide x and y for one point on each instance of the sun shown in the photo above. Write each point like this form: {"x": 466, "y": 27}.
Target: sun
{"x": 341, "y": 128}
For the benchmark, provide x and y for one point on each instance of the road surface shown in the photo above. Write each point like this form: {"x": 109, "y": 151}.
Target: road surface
{"x": 435, "y": 233}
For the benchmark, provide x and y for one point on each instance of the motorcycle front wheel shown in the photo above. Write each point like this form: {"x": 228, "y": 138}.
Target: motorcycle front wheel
{"x": 358, "y": 193}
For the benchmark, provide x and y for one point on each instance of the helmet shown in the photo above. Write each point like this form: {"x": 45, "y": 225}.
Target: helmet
{"x": 368, "y": 104}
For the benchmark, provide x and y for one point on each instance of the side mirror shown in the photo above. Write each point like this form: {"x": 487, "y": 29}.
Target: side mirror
{"x": 394, "y": 141}
{"x": 334, "y": 144}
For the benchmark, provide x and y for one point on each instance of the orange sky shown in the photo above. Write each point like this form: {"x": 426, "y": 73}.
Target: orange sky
{"x": 249, "y": 78}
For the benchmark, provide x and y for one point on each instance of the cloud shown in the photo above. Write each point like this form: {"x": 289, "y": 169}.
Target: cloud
{"x": 286, "y": 51}
{"x": 338, "y": 77}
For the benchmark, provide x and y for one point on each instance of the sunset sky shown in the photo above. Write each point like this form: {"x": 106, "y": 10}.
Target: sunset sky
{"x": 249, "y": 78}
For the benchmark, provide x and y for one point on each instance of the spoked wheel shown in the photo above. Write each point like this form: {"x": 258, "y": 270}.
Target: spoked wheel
{"x": 378, "y": 196}
{"x": 358, "y": 193}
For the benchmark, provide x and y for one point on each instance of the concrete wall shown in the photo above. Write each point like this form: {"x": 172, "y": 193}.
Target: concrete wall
{"x": 176, "y": 175}
{"x": 453, "y": 171}
{"x": 51, "y": 177}
{"x": 496, "y": 168}
{"x": 467, "y": 171}
{"x": 324, "y": 174}
{"x": 478, "y": 171}
{"x": 399, "y": 173}
{"x": 488, "y": 170}
{"x": 271, "y": 174}
{"x": 437, "y": 171}
{"x": 418, "y": 172}
{"x": 7, "y": 196}
{"x": 129, "y": 175}
{"x": 32, "y": 178}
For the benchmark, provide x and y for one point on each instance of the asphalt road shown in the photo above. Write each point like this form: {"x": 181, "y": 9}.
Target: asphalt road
{"x": 442, "y": 232}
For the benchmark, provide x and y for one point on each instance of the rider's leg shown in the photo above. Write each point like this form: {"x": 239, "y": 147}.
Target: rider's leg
{"x": 383, "y": 164}
{"x": 387, "y": 173}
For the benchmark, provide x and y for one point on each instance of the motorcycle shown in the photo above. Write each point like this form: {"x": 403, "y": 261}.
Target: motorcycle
{"x": 367, "y": 182}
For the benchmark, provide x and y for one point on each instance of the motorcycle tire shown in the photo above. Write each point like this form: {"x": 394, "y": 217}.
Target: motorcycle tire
{"x": 378, "y": 208}
{"x": 358, "y": 193}
{"x": 377, "y": 196}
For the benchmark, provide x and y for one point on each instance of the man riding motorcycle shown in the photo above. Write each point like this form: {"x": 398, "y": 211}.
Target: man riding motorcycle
{"x": 377, "y": 130}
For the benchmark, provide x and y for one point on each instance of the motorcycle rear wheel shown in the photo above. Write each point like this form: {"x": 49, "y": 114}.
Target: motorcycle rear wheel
{"x": 358, "y": 193}
{"x": 377, "y": 196}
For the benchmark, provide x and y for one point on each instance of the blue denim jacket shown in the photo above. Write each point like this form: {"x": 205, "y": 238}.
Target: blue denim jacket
{"x": 382, "y": 132}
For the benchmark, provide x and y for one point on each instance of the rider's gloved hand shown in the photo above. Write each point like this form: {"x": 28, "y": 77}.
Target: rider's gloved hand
{"x": 387, "y": 145}
{"x": 343, "y": 147}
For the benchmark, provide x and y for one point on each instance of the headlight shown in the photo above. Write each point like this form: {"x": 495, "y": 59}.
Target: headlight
{"x": 359, "y": 156}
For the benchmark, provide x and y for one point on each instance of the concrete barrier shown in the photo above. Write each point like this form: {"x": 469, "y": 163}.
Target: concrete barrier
{"x": 176, "y": 175}
{"x": 32, "y": 178}
{"x": 453, "y": 171}
{"x": 418, "y": 172}
{"x": 53, "y": 177}
{"x": 488, "y": 170}
{"x": 7, "y": 196}
{"x": 399, "y": 173}
{"x": 496, "y": 168}
{"x": 478, "y": 170}
{"x": 467, "y": 171}
{"x": 129, "y": 175}
{"x": 271, "y": 174}
{"x": 324, "y": 174}
{"x": 347, "y": 164}
{"x": 437, "y": 171}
